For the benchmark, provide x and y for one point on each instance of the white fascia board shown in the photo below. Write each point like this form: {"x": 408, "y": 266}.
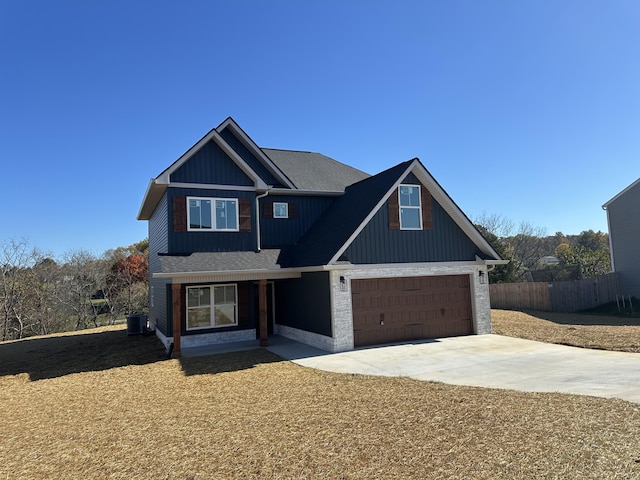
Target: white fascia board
{"x": 150, "y": 200}
{"x": 371, "y": 214}
{"x": 228, "y": 276}
{"x": 621, "y": 194}
{"x": 251, "y": 145}
{"x": 438, "y": 193}
{"x": 302, "y": 193}
{"x": 374, "y": 266}
{"x": 165, "y": 177}
{"x": 211, "y": 186}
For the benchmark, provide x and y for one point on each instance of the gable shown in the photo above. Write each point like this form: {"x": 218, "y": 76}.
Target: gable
{"x": 379, "y": 242}
{"x": 210, "y": 165}
{"x": 250, "y": 158}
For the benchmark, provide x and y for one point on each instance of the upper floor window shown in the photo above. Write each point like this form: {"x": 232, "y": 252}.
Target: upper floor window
{"x": 280, "y": 210}
{"x": 410, "y": 208}
{"x": 212, "y": 214}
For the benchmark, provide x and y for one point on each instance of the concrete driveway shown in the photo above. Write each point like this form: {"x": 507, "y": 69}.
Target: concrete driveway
{"x": 486, "y": 361}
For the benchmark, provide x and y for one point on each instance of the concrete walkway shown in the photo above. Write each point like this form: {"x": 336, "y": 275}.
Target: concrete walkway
{"x": 492, "y": 361}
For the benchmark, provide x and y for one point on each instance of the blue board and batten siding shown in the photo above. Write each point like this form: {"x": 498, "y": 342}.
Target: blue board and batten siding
{"x": 211, "y": 165}
{"x": 158, "y": 243}
{"x": 249, "y": 158}
{"x": 303, "y": 212}
{"x": 305, "y": 303}
{"x": 624, "y": 228}
{"x": 445, "y": 242}
{"x": 196, "y": 241}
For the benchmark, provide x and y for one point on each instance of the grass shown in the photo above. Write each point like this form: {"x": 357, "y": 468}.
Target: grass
{"x": 580, "y": 330}
{"x": 102, "y": 404}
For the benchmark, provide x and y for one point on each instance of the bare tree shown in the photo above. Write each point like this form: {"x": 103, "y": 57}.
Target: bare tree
{"x": 82, "y": 276}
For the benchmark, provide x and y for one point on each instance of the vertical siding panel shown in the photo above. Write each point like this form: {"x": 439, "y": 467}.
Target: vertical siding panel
{"x": 158, "y": 243}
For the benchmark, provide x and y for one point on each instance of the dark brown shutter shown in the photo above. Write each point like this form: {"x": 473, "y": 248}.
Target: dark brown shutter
{"x": 244, "y": 214}
{"x": 179, "y": 214}
{"x": 394, "y": 211}
{"x": 425, "y": 198}
{"x": 293, "y": 210}
{"x": 267, "y": 209}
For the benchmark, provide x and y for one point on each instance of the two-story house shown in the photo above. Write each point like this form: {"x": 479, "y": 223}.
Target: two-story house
{"x": 246, "y": 241}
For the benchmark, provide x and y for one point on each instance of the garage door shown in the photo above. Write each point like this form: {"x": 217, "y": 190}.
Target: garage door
{"x": 389, "y": 310}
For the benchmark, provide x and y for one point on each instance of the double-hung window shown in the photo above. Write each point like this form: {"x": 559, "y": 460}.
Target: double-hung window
{"x": 212, "y": 214}
{"x": 410, "y": 208}
{"x": 211, "y": 306}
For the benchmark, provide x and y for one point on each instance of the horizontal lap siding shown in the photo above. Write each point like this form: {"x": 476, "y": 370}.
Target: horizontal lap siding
{"x": 624, "y": 228}
{"x": 158, "y": 243}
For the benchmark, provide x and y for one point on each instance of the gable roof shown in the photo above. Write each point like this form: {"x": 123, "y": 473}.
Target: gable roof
{"x": 293, "y": 170}
{"x": 313, "y": 171}
{"x": 340, "y": 224}
{"x": 334, "y": 227}
{"x": 630, "y": 187}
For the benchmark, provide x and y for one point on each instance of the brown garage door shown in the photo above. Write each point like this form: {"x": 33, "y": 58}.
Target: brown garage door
{"x": 389, "y": 310}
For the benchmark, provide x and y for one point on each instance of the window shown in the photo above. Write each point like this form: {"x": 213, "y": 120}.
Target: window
{"x": 280, "y": 210}
{"x": 226, "y": 214}
{"x": 410, "y": 209}
{"x": 211, "y": 306}
{"x": 207, "y": 214}
{"x": 199, "y": 214}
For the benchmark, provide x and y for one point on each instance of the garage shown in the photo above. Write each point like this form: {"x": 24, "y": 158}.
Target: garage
{"x": 387, "y": 310}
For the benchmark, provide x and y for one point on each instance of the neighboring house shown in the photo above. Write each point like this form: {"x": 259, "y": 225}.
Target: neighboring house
{"x": 246, "y": 241}
{"x": 623, "y": 218}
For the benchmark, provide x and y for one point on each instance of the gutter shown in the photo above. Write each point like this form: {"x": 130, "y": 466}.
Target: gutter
{"x": 258, "y": 197}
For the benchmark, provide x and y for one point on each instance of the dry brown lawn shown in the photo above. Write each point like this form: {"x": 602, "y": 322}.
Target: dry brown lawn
{"x": 579, "y": 330}
{"x": 102, "y": 405}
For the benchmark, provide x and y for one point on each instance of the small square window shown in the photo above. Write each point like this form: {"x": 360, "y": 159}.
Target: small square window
{"x": 280, "y": 210}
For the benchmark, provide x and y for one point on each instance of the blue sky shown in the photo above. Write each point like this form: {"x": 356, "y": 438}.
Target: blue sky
{"x": 527, "y": 109}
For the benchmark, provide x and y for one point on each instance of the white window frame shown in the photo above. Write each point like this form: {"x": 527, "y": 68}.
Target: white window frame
{"x": 214, "y": 226}
{"x": 410, "y": 207}
{"x": 211, "y": 306}
{"x": 280, "y": 204}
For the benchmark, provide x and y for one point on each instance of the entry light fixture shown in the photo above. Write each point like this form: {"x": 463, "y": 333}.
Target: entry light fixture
{"x": 483, "y": 277}
{"x": 343, "y": 284}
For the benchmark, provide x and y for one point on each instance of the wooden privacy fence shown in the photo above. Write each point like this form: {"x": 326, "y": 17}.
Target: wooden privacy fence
{"x": 557, "y": 296}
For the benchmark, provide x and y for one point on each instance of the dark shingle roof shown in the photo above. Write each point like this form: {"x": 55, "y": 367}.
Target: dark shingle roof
{"x": 220, "y": 261}
{"x": 314, "y": 171}
{"x": 334, "y": 227}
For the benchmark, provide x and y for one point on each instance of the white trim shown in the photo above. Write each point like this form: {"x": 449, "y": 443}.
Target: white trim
{"x": 438, "y": 193}
{"x": 305, "y": 193}
{"x": 368, "y": 218}
{"x": 604, "y": 206}
{"x": 286, "y": 209}
{"x": 214, "y": 223}
{"x": 410, "y": 207}
{"x": 251, "y": 145}
{"x": 211, "y": 186}
{"x": 229, "y": 276}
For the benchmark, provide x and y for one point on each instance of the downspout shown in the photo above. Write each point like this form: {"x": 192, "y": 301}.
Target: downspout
{"x": 258, "y": 216}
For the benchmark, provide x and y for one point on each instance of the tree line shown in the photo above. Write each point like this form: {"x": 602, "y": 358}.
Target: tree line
{"x": 535, "y": 256}
{"x": 40, "y": 294}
